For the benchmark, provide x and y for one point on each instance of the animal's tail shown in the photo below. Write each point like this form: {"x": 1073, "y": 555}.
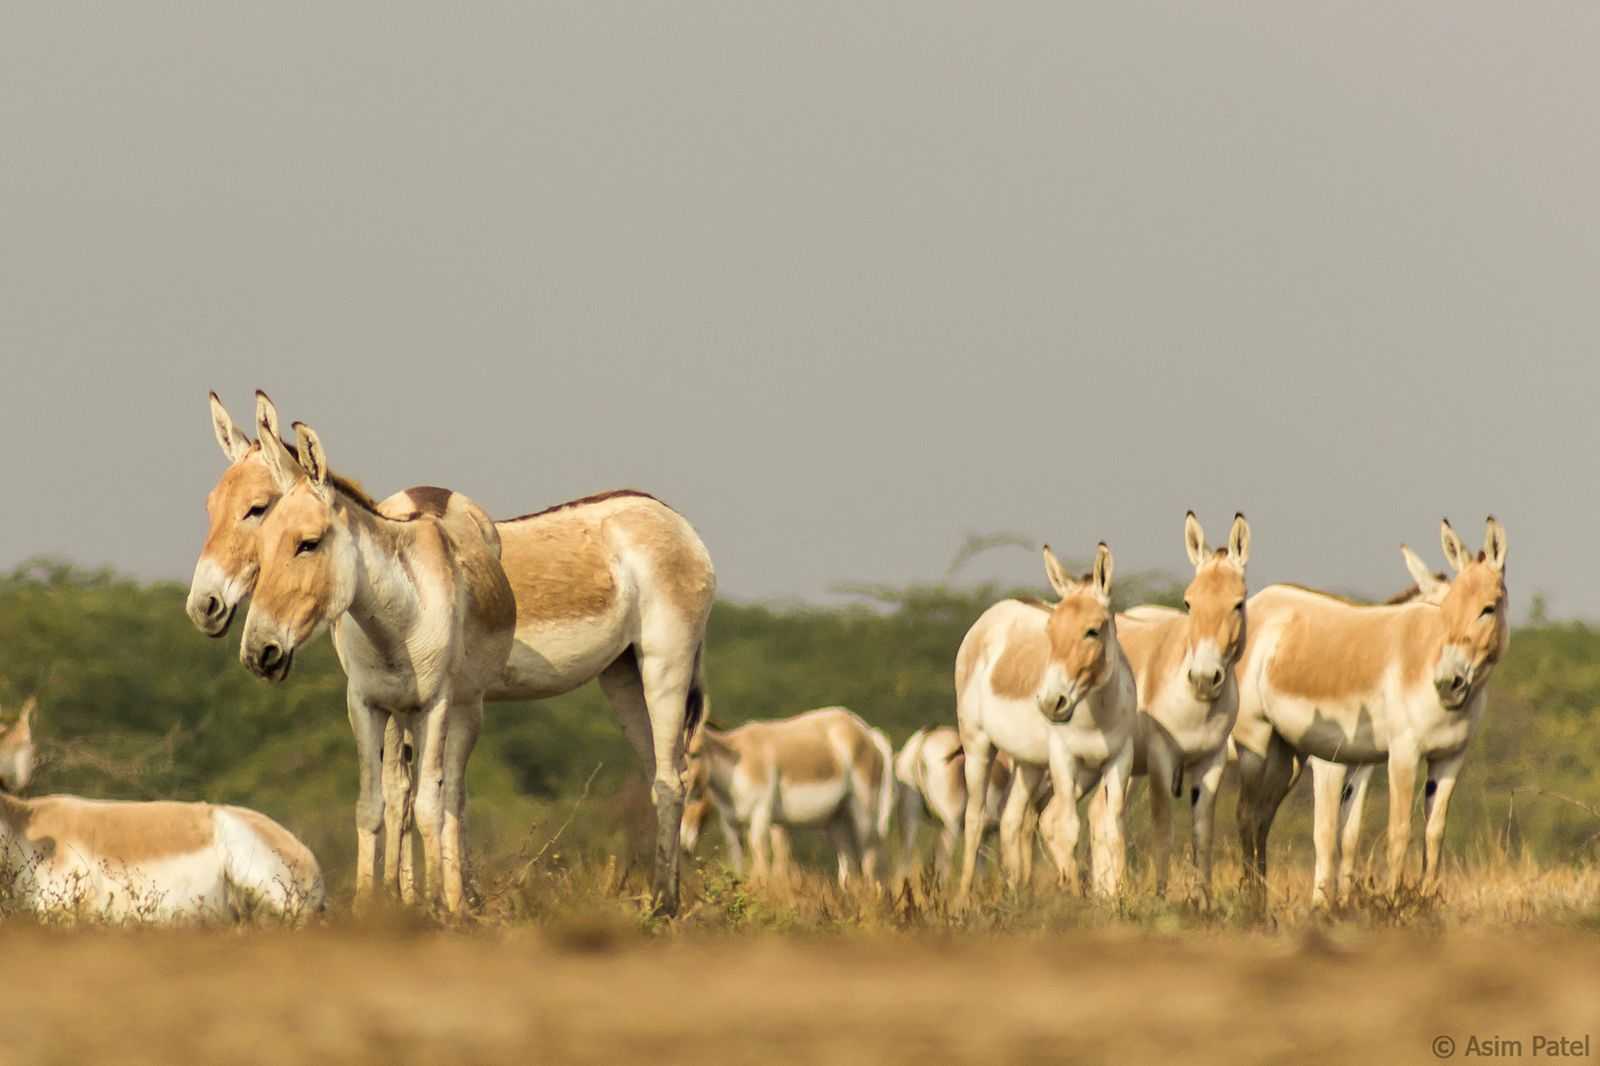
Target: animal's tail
{"x": 908, "y": 759}
{"x": 697, "y": 706}
{"x": 886, "y": 782}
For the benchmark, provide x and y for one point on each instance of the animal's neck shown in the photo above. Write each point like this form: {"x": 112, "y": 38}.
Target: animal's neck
{"x": 386, "y": 598}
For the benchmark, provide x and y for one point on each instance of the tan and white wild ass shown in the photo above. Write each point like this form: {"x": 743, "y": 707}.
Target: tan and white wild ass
{"x": 821, "y": 769}
{"x": 157, "y": 862}
{"x": 1182, "y": 665}
{"x": 930, "y": 769}
{"x": 1050, "y": 687}
{"x": 1352, "y": 686}
{"x": 615, "y": 587}
{"x": 422, "y": 619}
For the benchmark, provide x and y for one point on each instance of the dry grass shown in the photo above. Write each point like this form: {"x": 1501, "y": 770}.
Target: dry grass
{"x": 561, "y": 963}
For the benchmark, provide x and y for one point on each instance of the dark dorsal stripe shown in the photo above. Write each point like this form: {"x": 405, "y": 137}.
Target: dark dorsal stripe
{"x": 599, "y": 497}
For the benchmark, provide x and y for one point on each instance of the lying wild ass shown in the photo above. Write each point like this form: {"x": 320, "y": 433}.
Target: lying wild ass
{"x": 1050, "y": 687}
{"x": 146, "y": 862}
{"x": 931, "y": 771}
{"x": 422, "y": 618}
{"x": 615, "y": 587}
{"x": 1182, "y": 664}
{"x": 824, "y": 768}
{"x": 1353, "y": 686}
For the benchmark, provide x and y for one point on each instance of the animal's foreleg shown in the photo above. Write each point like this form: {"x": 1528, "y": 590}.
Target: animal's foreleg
{"x": 466, "y": 721}
{"x": 1327, "y": 787}
{"x": 368, "y": 726}
{"x": 431, "y": 732}
{"x": 1203, "y": 789}
{"x": 1440, "y": 785}
{"x": 1402, "y": 787}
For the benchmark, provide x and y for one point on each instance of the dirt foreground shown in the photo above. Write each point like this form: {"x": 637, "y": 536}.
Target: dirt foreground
{"x": 357, "y": 996}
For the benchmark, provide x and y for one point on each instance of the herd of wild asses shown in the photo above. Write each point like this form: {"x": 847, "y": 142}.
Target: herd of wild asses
{"x": 434, "y": 607}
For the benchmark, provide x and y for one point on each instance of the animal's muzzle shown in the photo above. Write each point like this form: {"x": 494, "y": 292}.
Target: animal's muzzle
{"x": 210, "y": 614}
{"x": 1207, "y": 684}
{"x": 269, "y": 660}
{"x": 1454, "y": 690}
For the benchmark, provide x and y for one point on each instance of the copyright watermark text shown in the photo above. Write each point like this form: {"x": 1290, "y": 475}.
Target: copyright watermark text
{"x": 1538, "y": 1046}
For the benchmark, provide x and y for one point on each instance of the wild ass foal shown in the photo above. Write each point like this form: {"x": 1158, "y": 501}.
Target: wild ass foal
{"x": 1351, "y": 686}
{"x": 1183, "y": 663}
{"x": 1050, "y": 687}
{"x": 147, "y": 862}
{"x": 824, "y": 768}
{"x": 615, "y": 587}
{"x": 930, "y": 769}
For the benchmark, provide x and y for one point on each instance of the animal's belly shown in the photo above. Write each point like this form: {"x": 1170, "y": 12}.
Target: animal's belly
{"x": 811, "y": 803}
{"x": 1019, "y": 730}
{"x": 548, "y": 659}
{"x": 1196, "y": 733}
{"x": 1355, "y": 731}
{"x": 150, "y": 890}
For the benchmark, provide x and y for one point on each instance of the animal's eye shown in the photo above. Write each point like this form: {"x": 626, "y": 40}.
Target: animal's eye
{"x": 1487, "y": 611}
{"x": 255, "y": 511}
{"x": 1239, "y": 606}
{"x": 307, "y": 546}
{"x": 1186, "y": 606}
{"x": 1092, "y": 634}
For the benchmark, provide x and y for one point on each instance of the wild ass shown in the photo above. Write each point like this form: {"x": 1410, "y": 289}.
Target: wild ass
{"x": 824, "y": 768}
{"x": 615, "y": 587}
{"x": 1182, "y": 664}
{"x": 154, "y": 862}
{"x": 1050, "y": 687}
{"x": 422, "y": 618}
{"x": 1353, "y": 686}
{"x": 931, "y": 771}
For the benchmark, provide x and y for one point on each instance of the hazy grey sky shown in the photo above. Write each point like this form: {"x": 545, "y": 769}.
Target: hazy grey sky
{"x": 840, "y": 281}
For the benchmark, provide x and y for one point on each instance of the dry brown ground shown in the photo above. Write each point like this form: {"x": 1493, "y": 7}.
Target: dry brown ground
{"x": 371, "y": 996}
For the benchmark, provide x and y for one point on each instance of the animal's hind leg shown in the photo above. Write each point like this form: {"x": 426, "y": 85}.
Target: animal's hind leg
{"x": 843, "y": 835}
{"x": 670, "y": 679}
{"x": 624, "y": 690}
{"x": 1351, "y": 804}
{"x": 976, "y": 769}
{"x": 1264, "y": 781}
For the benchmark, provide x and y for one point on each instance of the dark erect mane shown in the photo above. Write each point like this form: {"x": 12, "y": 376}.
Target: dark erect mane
{"x": 599, "y": 497}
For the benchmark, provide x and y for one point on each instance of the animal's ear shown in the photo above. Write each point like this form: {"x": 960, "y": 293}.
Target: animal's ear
{"x": 285, "y": 468}
{"x": 234, "y": 444}
{"x": 312, "y": 458}
{"x": 25, "y": 719}
{"x": 267, "y": 414}
{"x": 1432, "y": 589}
{"x": 1455, "y": 552}
{"x": 1239, "y": 541}
{"x": 1494, "y": 544}
{"x": 1056, "y": 573}
{"x": 1194, "y": 540}
{"x": 1103, "y": 567}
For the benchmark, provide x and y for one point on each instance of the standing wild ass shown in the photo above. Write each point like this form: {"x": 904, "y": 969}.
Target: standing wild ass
{"x": 146, "y": 862}
{"x": 1352, "y": 686}
{"x": 822, "y": 768}
{"x": 932, "y": 776}
{"x": 1182, "y": 664}
{"x": 615, "y": 587}
{"x": 1050, "y": 687}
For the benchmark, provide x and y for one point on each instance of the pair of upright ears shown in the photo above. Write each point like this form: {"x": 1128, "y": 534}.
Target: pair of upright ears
{"x": 1456, "y": 554}
{"x": 308, "y": 460}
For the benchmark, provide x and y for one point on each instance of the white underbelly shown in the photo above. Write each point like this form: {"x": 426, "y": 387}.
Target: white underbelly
{"x": 812, "y": 803}
{"x": 164, "y": 890}
{"x": 547, "y": 660}
{"x": 1356, "y": 731}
